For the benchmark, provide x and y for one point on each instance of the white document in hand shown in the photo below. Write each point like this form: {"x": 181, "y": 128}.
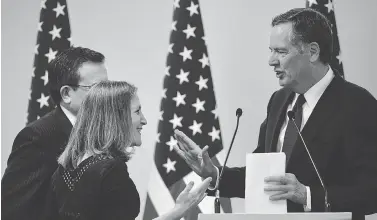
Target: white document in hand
{"x": 259, "y": 166}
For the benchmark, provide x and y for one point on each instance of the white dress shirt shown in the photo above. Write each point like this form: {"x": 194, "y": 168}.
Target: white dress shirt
{"x": 69, "y": 115}
{"x": 311, "y": 96}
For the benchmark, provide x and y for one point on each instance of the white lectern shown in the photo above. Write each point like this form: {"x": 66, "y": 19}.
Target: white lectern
{"x": 287, "y": 216}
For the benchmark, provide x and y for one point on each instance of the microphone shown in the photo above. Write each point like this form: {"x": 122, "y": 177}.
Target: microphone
{"x": 217, "y": 195}
{"x": 291, "y": 116}
{"x": 239, "y": 112}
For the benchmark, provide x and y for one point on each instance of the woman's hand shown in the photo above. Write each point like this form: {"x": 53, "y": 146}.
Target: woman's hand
{"x": 189, "y": 198}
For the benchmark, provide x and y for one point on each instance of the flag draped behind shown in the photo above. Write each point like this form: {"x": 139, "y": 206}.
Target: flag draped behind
{"x": 53, "y": 36}
{"x": 188, "y": 104}
{"x": 326, "y": 7}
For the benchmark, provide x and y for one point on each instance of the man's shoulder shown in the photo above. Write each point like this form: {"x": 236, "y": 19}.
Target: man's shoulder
{"x": 49, "y": 132}
{"x": 352, "y": 98}
{"x": 355, "y": 92}
{"x": 47, "y": 121}
{"x": 47, "y": 125}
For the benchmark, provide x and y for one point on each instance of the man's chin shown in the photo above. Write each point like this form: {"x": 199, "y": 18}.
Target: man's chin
{"x": 284, "y": 82}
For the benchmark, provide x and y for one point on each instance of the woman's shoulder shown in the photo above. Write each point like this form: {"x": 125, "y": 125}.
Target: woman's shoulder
{"x": 99, "y": 166}
{"x": 117, "y": 165}
{"x": 103, "y": 165}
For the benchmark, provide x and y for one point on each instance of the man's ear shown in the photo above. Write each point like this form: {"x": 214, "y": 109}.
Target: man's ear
{"x": 314, "y": 51}
{"x": 65, "y": 93}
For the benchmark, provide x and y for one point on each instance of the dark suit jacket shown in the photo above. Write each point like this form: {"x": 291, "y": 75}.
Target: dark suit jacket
{"x": 31, "y": 164}
{"x": 341, "y": 135}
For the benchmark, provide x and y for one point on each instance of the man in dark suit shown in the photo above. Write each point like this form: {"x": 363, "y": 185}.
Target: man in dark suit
{"x": 37, "y": 146}
{"x": 338, "y": 121}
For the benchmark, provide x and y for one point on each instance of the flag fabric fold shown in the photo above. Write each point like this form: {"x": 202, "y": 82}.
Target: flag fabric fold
{"x": 54, "y": 35}
{"x": 188, "y": 104}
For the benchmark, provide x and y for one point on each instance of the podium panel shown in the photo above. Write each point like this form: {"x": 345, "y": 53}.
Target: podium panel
{"x": 287, "y": 216}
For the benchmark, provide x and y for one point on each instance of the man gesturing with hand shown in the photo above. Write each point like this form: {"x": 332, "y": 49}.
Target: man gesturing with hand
{"x": 337, "y": 119}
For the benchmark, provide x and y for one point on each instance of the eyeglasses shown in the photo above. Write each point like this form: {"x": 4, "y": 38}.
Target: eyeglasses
{"x": 83, "y": 86}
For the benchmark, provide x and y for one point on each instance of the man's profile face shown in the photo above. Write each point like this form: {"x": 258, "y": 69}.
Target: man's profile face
{"x": 287, "y": 59}
{"x": 90, "y": 74}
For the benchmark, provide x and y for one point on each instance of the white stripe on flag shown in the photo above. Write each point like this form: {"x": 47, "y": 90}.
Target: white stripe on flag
{"x": 221, "y": 156}
{"x": 159, "y": 194}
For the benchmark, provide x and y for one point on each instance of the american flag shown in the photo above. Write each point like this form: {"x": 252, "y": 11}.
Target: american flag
{"x": 326, "y": 7}
{"x": 53, "y": 36}
{"x": 188, "y": 104}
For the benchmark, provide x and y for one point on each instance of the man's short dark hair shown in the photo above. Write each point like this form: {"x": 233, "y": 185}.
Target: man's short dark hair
{"x": 309, "y": 26}
{"x": 63, "y": 70}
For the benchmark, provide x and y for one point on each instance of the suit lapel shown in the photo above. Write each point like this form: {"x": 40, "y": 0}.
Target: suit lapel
{"x": 325, "y": 108}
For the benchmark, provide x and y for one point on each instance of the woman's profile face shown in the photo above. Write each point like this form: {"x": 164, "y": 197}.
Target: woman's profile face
{"x": 138, "y": 121}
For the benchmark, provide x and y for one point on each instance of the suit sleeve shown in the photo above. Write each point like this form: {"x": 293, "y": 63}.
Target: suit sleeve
{"x": 25, "y": 176}
{"x": 233, "y": 180}
{"x": 359, "y": 191}
{"x": 51, "y": 210}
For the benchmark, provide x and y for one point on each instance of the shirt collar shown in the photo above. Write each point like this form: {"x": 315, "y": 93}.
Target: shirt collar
{"x": 69, "y": 115}
{"x": 315, "y": 92}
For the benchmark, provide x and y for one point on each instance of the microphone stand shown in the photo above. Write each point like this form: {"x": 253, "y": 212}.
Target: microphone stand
{"x": 327, "y": 204}
{"x": 217, "y": 195}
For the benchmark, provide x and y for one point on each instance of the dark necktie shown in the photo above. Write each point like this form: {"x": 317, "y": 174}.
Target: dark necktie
{"x": 291, "y": 132}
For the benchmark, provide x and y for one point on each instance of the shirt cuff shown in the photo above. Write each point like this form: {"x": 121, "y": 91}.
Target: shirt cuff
{"x": 217, "y": 180}
{"x": 308, "y": 206}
